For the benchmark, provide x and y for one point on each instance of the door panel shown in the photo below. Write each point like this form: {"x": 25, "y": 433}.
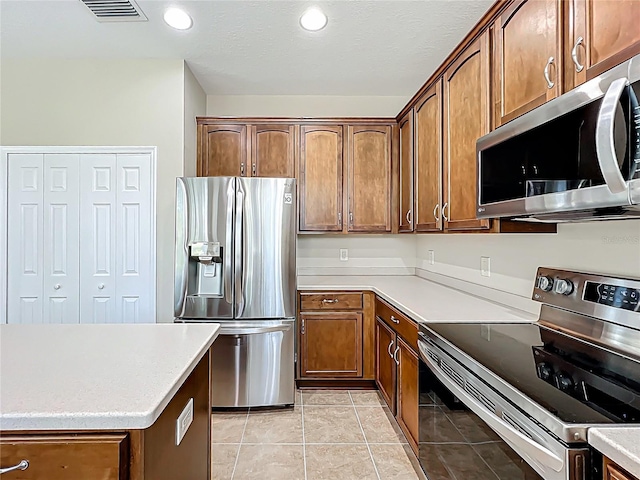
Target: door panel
{"x": 320, "y": 177}
{"x": 224, "y": 153}
{"x": 98, "y": 238}
{"x": 331, "y": 344}
{"x": 428, "y": 161}
{"x": 407, "y": 414}
{"x": 385, "y": 364}
{"x": 273, "y": 151}
{"x": 266, "y": 261}
{"x": 405, "y": 127}
{"x": 527, "y": 35}
{"x": 466, "y": 118}
{"x": 61, "y": 238}
{"x": 369, "y": 164}
{"x": 25, "y": 239}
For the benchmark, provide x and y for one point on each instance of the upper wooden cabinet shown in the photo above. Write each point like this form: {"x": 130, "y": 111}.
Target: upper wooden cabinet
{"x": 369, "y": 178}
{"x": 320, "y": 178}
{"x": 527, "y": 64}
{"x": 602, "y": 34}
{"x": 466, "y": 118}
{"x": 273, "y": 150}
{"x": 405, "y": 131}
{"x": 428, "y": 160}
{"x": 222, "y": 150}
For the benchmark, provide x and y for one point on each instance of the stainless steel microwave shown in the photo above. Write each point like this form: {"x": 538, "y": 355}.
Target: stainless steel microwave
{"x": 576, "y": 158}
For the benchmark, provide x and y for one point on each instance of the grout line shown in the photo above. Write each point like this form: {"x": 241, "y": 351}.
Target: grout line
{"x": 246, "y": 420}
{"x": 365, "y": 437}
{"x": 304, "y": 441}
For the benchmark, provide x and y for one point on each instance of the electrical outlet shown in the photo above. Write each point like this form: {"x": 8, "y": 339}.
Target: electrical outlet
{"x": 432, "y": 257}
{"x": 485, "y": 266}
{"x": 344, "y": 254}
{"x": 184, "y": 421}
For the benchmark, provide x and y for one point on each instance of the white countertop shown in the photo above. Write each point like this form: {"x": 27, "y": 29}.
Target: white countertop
{"x": 620, "y": 444}
{"x": 422, "y": 300}
{"x": 94, "y": 377}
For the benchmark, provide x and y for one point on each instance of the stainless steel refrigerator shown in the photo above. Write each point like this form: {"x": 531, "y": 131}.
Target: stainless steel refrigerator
{"x": 235, "y": 264}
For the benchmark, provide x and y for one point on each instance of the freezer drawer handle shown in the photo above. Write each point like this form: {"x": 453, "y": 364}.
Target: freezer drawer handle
{"x": 23, "y": 465}
{"x": 254, "y": 330}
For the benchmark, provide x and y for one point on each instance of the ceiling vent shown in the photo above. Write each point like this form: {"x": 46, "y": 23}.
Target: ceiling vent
{"x": 115, "y": 10}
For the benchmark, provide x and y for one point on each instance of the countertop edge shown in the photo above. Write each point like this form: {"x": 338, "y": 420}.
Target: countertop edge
{"x": 600, "y": 439}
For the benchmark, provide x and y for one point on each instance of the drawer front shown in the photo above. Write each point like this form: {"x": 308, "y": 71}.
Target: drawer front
{"x": 330, "y": 301}
{"x": 66, "y": 457}
{"x": 406, "y": 328}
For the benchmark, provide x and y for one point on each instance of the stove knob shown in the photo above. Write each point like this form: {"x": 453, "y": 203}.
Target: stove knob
{"x": 564, "y": 382}
{"x": 545, "y": 371}
{"x": 545, "y": 283}
{"x": 565, "y": 287}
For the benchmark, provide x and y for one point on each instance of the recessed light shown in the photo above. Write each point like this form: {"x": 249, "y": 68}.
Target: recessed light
{"x": 178, "y": 19}
{"x": 313, "y": 19}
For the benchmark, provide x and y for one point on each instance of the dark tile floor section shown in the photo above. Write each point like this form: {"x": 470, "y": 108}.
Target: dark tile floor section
{"x": 328, "y": 435}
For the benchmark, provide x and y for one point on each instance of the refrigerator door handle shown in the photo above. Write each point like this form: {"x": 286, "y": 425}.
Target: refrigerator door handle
{"x": 238, "y": 247}
{"x": 228, "y": 248}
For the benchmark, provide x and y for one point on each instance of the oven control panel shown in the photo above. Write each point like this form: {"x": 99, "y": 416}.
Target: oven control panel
{"x": 617, "y": 296}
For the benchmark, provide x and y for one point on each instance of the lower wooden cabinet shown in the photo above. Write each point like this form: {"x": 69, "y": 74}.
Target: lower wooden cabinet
{"x": 331, "y": 344}
{"x": 385, "y": 363}
{"x": 614, "y": 472}
{"x": 407, "y": 392}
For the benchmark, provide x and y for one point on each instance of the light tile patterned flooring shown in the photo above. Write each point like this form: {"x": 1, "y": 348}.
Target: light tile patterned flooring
{"x": 328, "y": 435}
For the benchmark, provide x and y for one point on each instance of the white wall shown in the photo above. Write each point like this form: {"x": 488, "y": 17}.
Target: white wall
{"x": 604, "y": 247}
{"x": 303, "y": 106}
{"x": 195, "y": 105}
{"x": 105, "y": 102}
{"x": 368, "y": 254}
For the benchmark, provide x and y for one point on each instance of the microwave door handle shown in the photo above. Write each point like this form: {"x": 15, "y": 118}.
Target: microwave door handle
{"x": 605, "y": 146}
{"x": 539, "y": 454}
{"x": 239, "y": 267}
{"x": 228, "y": 248}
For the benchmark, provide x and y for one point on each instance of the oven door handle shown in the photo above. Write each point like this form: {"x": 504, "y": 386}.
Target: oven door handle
{"x": 605, "y": 144}
{"x": 543, "y": 457}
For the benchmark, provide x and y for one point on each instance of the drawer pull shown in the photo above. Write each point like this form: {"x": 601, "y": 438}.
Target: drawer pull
{"x": 326, "y": 300}
{"x": 23, "y": 465}
{"x": 394, "y": 320}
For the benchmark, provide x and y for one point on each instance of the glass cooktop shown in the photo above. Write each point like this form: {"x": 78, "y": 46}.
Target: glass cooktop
{"x": 576, "y": 381}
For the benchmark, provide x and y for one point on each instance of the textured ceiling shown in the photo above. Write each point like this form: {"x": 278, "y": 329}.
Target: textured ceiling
{"x": 380, "y": 47}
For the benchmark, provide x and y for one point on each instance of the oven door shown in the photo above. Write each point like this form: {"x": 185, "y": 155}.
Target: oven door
{"x": 462, "y": 437}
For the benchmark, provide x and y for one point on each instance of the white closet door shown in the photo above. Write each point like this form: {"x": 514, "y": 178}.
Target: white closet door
{"x": 25, "y": 238}
{"x": 134, "y": 283}
{"x": 98, "y": 238}
{"x": 61, "y": 239}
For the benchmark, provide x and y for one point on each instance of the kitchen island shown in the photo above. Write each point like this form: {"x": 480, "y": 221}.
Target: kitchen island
{"x": 103, "y": 401}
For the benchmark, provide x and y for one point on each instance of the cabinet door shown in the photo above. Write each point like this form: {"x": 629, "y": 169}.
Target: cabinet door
{"x": 273, "y": 151}
{"x": 428, "y": 161}
{"x": 320, "y": 178}
{"x": 528, "y": 57}
{"x": 66, "y": 457}
{"x": 369, "y": 164}
{"x": 466, "y": 118}
{"x": 405, "y": 127}
{"x": 614, "y": 472}
{"x": 605, "y": 33}
{"x": 385, "y": 364}
{"x": 223, "y": 151}
{"x": 331, "y": 344}
{"x": 407, "y": 410}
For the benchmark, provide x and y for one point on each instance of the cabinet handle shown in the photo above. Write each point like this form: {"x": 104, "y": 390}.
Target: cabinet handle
{"x": 339, "y": 218}
{"x": 550, "y": 84}
{"x": 389, "y": 349}
{"x": 302, "y": 327}
{"x": 253, "y": 169}
{"x": 242, "y": 169}
{"x": 395, "y": 356}
{"x": 408, "y": 216}
{"x": 57, "y": 286}
{"x": 444, "y": 210}
{"x": 326, "y": 300}
{"x": 436, "y": 212}
{"x": 351, "y": 218}
{"x": 23, "y": 465}
{"x": 101, "y": 286}
{"x": 395, "y": 320}
{"x": 574, "y": 55}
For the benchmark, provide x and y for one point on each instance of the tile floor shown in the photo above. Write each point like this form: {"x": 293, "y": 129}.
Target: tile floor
{"x": 328, "y": 435}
